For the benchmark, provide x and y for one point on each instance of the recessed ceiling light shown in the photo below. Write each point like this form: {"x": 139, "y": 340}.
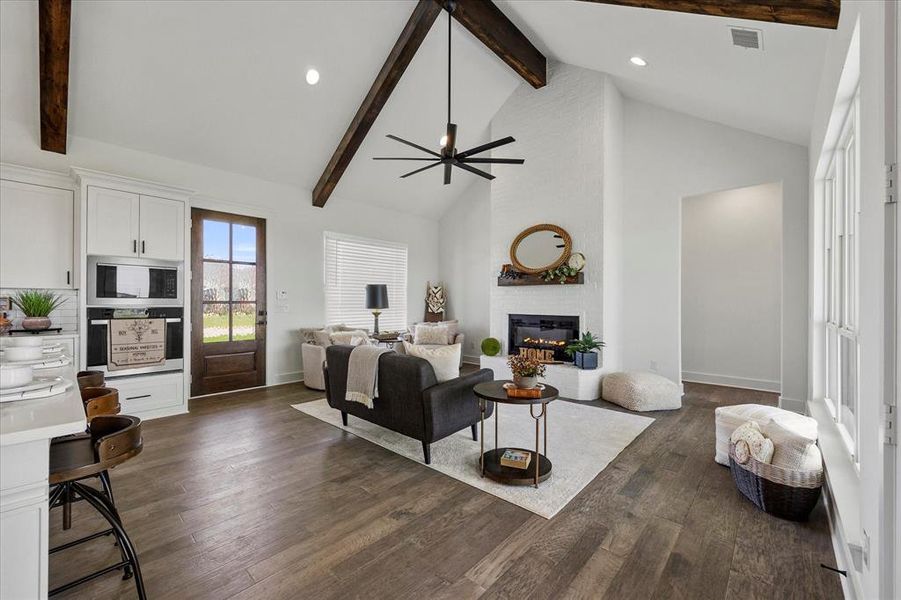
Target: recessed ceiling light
{"x": 638, "y": 61}
{"x": 312, "y": 76}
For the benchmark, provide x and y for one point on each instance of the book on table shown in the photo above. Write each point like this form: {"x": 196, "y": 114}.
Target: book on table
{"x": 515, "y": 392}
{"x": 518, "y": 459}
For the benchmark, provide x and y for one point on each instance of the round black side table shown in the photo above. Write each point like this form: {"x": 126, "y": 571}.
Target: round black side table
{"x": 490, "y": 462}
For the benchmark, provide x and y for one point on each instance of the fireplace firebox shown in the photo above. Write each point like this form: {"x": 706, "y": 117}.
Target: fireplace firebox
{"x": 544, "y": 337}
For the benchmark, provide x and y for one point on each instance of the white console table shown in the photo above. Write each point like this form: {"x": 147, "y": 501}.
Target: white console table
{"x": 572, "y": 382}
{"x": 26, "y": 427}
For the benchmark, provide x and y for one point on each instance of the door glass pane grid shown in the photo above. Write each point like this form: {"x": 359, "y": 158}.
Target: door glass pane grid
{"x": 229, "y": 282}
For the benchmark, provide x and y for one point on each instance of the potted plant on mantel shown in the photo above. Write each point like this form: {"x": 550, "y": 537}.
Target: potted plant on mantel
{"x": 36, "y": 305}
{"x": 526, "y": 371}
{"x": 584, "y": 351}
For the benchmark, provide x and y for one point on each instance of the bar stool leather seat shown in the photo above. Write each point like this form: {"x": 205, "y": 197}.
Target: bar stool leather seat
{"x": 111, "y": 441}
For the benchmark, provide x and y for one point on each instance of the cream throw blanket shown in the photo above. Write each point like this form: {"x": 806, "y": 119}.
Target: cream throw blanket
{"x": 363, "y": 373}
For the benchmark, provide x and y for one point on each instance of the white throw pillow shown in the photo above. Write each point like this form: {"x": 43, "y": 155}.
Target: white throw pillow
{"x": 430, "y": 334}
{"x": 445, "y": 360}
{"x": 792, "y": 452}
{"x": 350, "y": 338}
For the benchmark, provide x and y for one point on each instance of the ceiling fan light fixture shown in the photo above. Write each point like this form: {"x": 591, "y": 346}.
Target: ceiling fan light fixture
{"x": 638, "y": 61}
{"x": 449, "y": 157}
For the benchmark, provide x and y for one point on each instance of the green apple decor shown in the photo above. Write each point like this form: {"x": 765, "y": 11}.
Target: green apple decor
{"x": 491, "y": 346}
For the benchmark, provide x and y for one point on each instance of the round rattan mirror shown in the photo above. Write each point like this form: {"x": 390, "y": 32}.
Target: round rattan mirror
{"x": 540, "y": 248}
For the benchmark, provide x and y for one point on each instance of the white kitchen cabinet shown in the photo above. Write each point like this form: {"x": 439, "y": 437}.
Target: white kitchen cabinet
{"x": 37, "y": 233}
{"x": 113, "y": 222}
{"x": 130, "y": 224}
{"x": 162, "y": 228}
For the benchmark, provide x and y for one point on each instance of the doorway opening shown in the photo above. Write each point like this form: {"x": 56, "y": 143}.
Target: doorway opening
{"x": 731, "y": 297}
{"x": 228, "y": 302}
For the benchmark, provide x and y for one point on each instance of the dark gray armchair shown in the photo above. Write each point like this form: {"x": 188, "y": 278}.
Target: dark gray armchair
{"x": 410, "y": 401}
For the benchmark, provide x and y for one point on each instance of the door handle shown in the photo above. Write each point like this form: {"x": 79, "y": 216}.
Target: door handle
{"x": 68, "y": 277}
{"x": 134, "y": 246}
{"x": 143, "y": 250}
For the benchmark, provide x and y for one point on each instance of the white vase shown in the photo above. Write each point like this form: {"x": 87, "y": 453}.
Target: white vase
{"x": 525, "y": 383}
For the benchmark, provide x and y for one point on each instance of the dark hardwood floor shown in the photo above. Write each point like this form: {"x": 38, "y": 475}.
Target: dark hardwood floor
{"x": 246, "y": 497}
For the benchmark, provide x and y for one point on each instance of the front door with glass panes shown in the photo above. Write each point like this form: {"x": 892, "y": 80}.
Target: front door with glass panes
{"x": 228, "y": 302}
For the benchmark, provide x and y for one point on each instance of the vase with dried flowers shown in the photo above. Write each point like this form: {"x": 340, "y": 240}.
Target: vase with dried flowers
{"x": 526, "y": 370}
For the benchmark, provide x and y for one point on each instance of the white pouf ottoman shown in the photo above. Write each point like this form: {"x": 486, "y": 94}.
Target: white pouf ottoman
{"x": 728, "y": 418}
{"x": 641, "y": 391}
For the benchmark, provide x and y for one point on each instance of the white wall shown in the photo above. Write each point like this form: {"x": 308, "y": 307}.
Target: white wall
{"x": 863, "y": 503}
{"x": 669, "y": 156}
{"x": 614, "y": 200}
{"x": 732, "y": 287}
{"x": 559, "y": 131}
{"x": 294, "y": 228}
{"x": 465, "y": 265}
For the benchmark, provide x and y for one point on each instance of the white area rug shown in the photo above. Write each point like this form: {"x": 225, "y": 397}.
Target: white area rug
{"x": 582, "y": 441}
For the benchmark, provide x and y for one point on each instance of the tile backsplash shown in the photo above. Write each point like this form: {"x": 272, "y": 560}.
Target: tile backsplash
{"x": 65, "y": 316}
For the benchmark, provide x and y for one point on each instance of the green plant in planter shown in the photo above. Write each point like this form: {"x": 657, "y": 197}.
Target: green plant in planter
{"x": 36, "y": 303}
{"x": 583, "y": 351}
{"x": 560, "y": 273}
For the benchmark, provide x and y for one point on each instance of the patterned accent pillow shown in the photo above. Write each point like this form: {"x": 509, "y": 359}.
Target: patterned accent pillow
{"x": 431, "y": 334}
{"x": 322, "y": 338}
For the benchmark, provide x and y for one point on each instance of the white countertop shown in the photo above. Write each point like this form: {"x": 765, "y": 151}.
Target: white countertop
{"x": 44, "y": 418}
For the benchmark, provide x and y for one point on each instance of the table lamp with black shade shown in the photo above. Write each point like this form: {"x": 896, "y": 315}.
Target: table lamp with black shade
{"x": 376, "y": 301}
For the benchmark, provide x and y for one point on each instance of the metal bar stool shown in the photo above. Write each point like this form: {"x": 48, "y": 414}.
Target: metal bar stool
{"x": 112, "y": 441}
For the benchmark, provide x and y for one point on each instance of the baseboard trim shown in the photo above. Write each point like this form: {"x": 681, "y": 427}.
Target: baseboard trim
{"x": 843, "y": 560}
{"x": 290, "y": 377}
{"x": 763, "y": 385}
{"x": 793, "y": 404}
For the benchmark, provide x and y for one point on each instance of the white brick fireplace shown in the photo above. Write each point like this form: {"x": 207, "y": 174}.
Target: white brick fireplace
{"x": 569, "y": 132}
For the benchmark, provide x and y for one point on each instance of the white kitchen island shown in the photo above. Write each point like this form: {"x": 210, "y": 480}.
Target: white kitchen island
{"x": 26, "y": 427}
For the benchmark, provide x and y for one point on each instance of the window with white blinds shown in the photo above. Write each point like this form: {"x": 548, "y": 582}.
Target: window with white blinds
{"x": 350, "y": 264}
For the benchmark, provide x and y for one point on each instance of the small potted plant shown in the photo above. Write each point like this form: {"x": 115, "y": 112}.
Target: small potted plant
{"x": 584, "y": 351}
{"x": 526, "y": 371}
{"x": 37, "y": 306}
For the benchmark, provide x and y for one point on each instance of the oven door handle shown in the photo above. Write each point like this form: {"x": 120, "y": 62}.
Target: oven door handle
{"x": 99, "y": 322}
{"x": 175, "y": 320}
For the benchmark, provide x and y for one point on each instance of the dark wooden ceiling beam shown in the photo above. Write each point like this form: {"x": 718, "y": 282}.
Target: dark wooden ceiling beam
{"x": 809, "y": 13}
{"x": 54, "y": 17}
{"x": 490, "y": 26}
{"x": 414, "y": 32}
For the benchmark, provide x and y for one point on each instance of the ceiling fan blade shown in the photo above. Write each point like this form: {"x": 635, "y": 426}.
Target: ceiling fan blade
{"x": 451, "y": 141}
{"x": 478, "y": 172}
{"x": 434, "y": 164}
{"x": 488, "y": 146}
{"x": 447, "y": 172}
{"x": 401, "y": 158}
{"x": 417, "y": 146}
{"x": 498, "y": 161}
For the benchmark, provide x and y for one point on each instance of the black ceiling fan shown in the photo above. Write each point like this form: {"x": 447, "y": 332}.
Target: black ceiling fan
{"x": 449, "y": 157}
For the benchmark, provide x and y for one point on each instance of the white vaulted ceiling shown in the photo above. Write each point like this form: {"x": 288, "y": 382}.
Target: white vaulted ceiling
{"x": 222, "y": 83}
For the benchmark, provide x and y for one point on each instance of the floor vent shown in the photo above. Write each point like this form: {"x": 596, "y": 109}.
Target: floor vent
{"x": 747, "y": 38}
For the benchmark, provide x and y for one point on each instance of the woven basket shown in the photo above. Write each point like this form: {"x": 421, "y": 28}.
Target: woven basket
{"x": 782, "y": 493}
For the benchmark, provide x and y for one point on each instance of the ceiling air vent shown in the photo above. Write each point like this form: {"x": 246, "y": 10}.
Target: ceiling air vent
{"x": 747, "y": 38}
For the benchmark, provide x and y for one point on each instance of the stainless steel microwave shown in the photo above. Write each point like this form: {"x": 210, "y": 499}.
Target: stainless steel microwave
{"x": 135, "y": 282}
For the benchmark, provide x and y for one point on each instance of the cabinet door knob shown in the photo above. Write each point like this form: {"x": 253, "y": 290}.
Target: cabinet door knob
{"x": 68, "y": 277}
{"x": 142, "y": 247}
{"x": 134, "y": 246}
